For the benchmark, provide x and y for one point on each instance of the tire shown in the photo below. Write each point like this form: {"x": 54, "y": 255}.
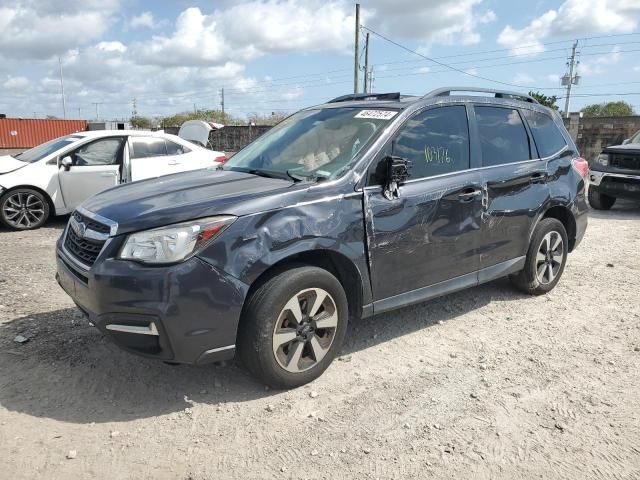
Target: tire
{"x": 23, "y": 209}
{"x": 600, "y": 201}
{"x": 530, "y": 280}
{"x": 269, "y": 323}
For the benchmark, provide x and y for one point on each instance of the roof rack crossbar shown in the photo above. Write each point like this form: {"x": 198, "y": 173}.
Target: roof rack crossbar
{"x": 446, "y": 91}
{"x": 366, "y": 96}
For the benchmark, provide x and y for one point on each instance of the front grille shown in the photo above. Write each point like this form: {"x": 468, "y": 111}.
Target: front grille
{"x": 85, "y": 250}
{"x": 91, "y": 224}
{"x": 628, "y": 162}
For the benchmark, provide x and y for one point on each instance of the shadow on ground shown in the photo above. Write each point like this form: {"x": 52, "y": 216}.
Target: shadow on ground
{"x": 622, "y": 210}
{"x": 57, "y": 223}
{"x": 68, "y": 371}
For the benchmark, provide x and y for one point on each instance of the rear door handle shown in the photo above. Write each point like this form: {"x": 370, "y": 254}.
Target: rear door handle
{"x": 538, "y": 177}
{"x": 469, "y": 194}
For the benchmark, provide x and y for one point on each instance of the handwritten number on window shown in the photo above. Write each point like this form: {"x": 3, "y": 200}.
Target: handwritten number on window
{"x": 438, "y": 155}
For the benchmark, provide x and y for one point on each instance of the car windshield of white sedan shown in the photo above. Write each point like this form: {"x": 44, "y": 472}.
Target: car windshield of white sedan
{"x": 312, "y": 143}
{"x": 46, "y": 149}
{"x": 635, "y": 138}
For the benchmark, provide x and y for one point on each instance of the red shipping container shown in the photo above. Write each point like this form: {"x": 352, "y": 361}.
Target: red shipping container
{"x": 31, "y": 132}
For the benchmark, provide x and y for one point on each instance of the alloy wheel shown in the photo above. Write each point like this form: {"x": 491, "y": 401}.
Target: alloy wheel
{"x": 549, "y": 257}
{"x": 23, "y": 210}
{"x": 305, "y": 330}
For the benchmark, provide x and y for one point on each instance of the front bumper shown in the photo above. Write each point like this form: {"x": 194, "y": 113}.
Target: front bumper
{"x": 615, "y": 184}
{"x": 184, "y": 313}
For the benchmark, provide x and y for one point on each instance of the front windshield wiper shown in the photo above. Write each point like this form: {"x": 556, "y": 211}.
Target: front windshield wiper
{"x": 260, "y": 173}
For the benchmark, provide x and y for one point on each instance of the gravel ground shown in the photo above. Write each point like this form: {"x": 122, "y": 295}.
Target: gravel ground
{"x": 485, "y": 383}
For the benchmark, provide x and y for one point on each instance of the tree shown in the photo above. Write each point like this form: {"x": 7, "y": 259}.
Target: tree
{"x": 546, "y": 100}
{"x": 273, "y": 119}
{"x": 610, "y": 109}
{"x": 140, "y": 122}
{"x": 207, "y": 115}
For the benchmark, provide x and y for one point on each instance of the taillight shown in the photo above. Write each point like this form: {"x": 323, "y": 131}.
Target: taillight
{"x": 220, "y": 159}
{"x": 581, "y": 166}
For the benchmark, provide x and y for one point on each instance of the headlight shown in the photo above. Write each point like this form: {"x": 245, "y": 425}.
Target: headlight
{"x": 603, "y": 159}
{"x": 173, "y": 243}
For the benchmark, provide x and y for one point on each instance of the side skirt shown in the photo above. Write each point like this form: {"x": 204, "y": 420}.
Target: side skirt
{"x": 443, "y": 288}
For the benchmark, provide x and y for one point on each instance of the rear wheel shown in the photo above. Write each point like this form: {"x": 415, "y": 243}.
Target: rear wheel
{"x": 600, "y": 201}
{"x": 293, "y": 326}
{"x": 546, "y": 258}
{"x": 23, "y": 209}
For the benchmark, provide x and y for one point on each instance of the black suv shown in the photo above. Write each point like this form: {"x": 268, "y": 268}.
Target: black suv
{"x": 615, "y": 173}
{"x": 359, "y": 206}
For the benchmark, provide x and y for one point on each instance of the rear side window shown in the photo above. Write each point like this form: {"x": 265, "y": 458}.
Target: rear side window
{"x": 144, "y": 147}
{"x": 175, "y": 148}
{"x": 546, "y": 133}
{"x": 436, "y": 141}
{"x": 503, "y": 138}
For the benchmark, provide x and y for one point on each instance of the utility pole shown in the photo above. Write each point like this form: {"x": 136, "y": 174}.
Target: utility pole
{"x": 366, "y": 63}
{"x": 222, "y": 103}
{"x": 356, "y": 59}
{"x": 570, "y": 79}
{"x": 79, "y": 114}
{"x": 97, "y": 105}
{"x": 134, "y": 113}
{"x": 64, "y": 106}
{"x": 370, "y": 80}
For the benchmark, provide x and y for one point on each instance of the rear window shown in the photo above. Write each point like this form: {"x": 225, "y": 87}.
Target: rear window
{"x": 503, "y": 137}
{"x": 546, "y": 133}
{"x": 144, "y": 147}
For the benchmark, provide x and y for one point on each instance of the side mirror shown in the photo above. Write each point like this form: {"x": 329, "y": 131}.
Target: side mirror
{"x": 397, "y": 173}
{"x": 66, "y": 163}
{"x": 625, "y": 141}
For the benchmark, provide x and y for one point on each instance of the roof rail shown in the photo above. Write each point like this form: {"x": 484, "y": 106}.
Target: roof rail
{"x": 446, "y": 91}
{"x": 366, "y": 96}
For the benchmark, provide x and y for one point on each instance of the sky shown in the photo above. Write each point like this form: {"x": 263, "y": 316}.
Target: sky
{"x": 284, "y": 55}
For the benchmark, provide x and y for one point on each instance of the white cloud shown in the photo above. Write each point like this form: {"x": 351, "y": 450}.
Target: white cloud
{"x": 600, "y": 64}
{"x": 523, "y": 79}
{"x": 145, "y": 19}
{"x": 573, "y": 17}
{"x": 553, "y": 78}
{"x": 433, "y": 21}
{"x": 40, "y": 29}
{"x": 16, "y": 83}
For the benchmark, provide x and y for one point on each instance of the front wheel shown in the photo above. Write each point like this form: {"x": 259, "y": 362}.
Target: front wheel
{"x": 293, "y": 326}
{"x": 546, "y": 258}
{"x": 23, "y": 209}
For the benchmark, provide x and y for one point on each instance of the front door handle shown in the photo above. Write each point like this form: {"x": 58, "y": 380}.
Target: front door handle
{"x": 538, "y": 177}
{"x": 469, "y": 194}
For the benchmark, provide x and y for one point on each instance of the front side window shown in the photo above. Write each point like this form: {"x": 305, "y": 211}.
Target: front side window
{"x": 101, "y": 152}
{"x": 545, "y": 133}
{"x": 41, "y": 151}
{"x": 503, "y": 138}
{"x": 144, "y": 147}
{"x": 317, "y": 143}
{"x": 436, "y": 141}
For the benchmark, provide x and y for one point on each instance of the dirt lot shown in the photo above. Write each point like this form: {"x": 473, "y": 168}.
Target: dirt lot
{"x": 486, "y": 383}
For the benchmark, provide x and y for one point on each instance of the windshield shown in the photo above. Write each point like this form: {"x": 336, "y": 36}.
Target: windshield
{"x": 312, "y": 143}
{"x": 41, "y": 151}
{"x": 635, "y": 138}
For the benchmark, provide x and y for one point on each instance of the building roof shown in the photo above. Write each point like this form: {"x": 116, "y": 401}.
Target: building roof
{"x": 30, "y": 132}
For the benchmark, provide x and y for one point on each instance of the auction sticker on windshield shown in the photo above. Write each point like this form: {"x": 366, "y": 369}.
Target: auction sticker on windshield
{"x": 376, "y": 114}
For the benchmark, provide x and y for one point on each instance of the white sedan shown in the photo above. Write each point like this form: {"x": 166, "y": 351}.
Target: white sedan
{"x": 55, "y": 177}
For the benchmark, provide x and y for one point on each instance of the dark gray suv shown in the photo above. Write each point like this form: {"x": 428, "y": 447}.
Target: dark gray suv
{"x": 359, "y": 206}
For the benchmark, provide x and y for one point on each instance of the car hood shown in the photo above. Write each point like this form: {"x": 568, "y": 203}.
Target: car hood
{"x": 9, "y": 164}
{"x": 628, "y": 148}
{"x": 184, "y": 196}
